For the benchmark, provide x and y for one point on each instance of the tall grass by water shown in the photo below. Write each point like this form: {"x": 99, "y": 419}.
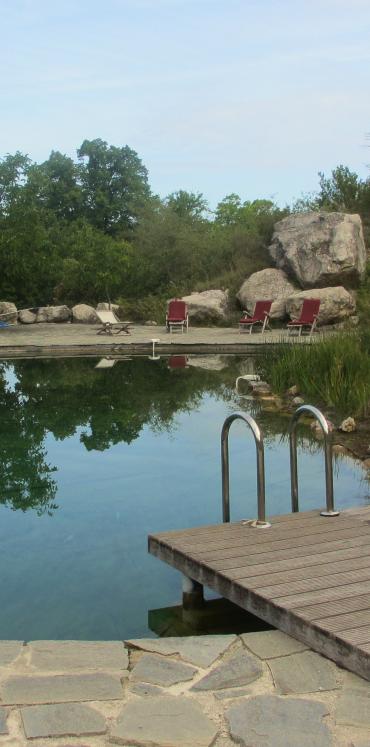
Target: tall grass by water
{"x": 335, "y": 371}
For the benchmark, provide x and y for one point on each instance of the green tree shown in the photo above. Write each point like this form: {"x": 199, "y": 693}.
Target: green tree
{"x": 115, "y": 185}
{"x": 188, "y": 205}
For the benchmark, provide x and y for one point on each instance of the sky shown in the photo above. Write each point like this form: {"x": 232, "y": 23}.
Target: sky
{"x": 253, "y": 97}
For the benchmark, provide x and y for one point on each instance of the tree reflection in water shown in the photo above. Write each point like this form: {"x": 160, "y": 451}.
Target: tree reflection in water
{"x": 112, "y": 405}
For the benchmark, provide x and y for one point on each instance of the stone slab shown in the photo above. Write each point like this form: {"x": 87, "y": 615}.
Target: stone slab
{"x": 360, "y": 744}
{"x": 302, "y": 673}
{"x": 9, "y": 650}
{"x": 144, "y": 690}
{"x": 60, "y": 689}
{"x": 239, "y": 669}
{"x": 160, "y": 671}
{"x": 270, "y": 644}
{"x": 164, "y": 722}
{"x": 71, "y": 655}
{"x": 62, "y": 720}
{"x": 200, "y": 650}
{"x": 3, "y": 717}
{"x": 224, "y": 694}
{"x": 354, "y": 702}
{"x": 268, "y": 721}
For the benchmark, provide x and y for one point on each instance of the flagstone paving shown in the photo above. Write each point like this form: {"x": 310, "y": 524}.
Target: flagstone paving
{"x": 258, "y": 690}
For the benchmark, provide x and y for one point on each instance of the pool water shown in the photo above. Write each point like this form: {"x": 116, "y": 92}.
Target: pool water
{"x": 95, "y": 459}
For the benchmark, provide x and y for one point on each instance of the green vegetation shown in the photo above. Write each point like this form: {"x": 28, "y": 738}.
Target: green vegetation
{"x": 334, "y": 371}
{"x": 82, "y": 231}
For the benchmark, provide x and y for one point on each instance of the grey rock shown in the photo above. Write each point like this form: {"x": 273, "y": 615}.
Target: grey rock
{"x": 293, "y": 391}
{"x": 61, "y": 720}
{"x": 302, "y": 673}
{"x": 270, "y": 644}
{"x": 10, "y": 312}
{"x": 53, "y": 314}
{"x": 140, "y": 688}
{"x": 3, "y": 717}
{"x": 265, "y": 285}
{"x": 27, "y": 317}
{"x": 268, "y": 721}
{"x": 320, "y": 249}
{"x": 199, "y": 650}
{"x": 360, "y": 743}
{"x": 348, "y": 425}
{"x": 238, "y": 670}
{"x": 337, "y": 304}
{"x": 164, "y": 722}
{"x": 209, "y": 362}
{"x": 297, "y": 401}
{"x": 60, "y": 689}
{"x": 354, "y": 320}
{"x": 83, "y": 314}
{"x": 150, "y": 323}
{"x": 160, "y": 671}
{"x": 211, "y": 304}
{"x": 105, "y": 307}
{"x": 225, "y": 694}
{"x": 354, "y": 702}
{"x": 9, "y": 650}
{"x": 71, "y": 655}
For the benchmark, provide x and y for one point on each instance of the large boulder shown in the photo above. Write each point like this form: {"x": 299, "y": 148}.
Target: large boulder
{"x": 211, "y": 304}
{"x": 53, "y": 314}
{"x": 28, "y": 316}
{"x": 336, "y": 304}
{"x": 320, "y": 249}
{"x": 105, "y": 307}
{"x": 266, "y": 284}
{"x": 83, "y": 314}
{"x": 11, "y": 315}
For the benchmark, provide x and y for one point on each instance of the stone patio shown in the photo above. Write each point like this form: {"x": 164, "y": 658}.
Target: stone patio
{"x": 258, "y": 690}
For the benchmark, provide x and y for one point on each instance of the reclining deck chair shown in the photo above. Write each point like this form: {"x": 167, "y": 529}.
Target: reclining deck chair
{"x": 261, "y": 316}
{"x": 308, "y": 318}
{"x": 177, "y": 316}
{"x": 109, "y": 321}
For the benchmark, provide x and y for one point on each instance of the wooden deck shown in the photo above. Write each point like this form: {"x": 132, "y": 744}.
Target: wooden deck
{"x": 307, "y": 575}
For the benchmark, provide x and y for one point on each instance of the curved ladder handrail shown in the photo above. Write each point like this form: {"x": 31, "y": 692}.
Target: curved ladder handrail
{"x": 328, "y": 459}
{"x": 261, "y": 522}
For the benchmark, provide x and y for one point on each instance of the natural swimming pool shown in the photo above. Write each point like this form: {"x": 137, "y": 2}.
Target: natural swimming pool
{"x": 94, "y": 459}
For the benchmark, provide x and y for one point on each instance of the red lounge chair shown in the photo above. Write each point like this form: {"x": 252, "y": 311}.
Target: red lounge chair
{"x": 177, "y": 361}
{"x": 177, "y": 316}
{"x": 261, "y": 316}
{"x": 308, "y": 318}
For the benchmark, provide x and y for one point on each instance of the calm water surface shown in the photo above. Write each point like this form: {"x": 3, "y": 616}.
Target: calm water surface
{"x": 92, "y": 460}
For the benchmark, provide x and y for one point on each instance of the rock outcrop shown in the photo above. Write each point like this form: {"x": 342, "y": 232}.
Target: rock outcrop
{"x": 27, "y": 316}
{"x": 211, "y": 304}
{"x": 336, "y": 305}
{"x": 83, "y": 314}
{"x": 320, "y": 249}
{"x": 53, "y": 314}
{"x": 267, "y": 284}
{"x": 11, "y": 312}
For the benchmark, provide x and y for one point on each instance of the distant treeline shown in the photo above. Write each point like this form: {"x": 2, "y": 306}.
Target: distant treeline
{"x": 73, "y": 232}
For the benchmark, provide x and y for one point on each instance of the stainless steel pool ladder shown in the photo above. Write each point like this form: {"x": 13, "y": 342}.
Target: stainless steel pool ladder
{"x": 260, "y": 522}
{"x": 328, "y": 459}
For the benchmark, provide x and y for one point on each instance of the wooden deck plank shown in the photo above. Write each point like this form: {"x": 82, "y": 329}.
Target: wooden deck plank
{"x": 308, "y": 575}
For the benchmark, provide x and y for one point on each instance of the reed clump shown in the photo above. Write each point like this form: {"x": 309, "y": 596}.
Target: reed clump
{"x": 335, "y": 370}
